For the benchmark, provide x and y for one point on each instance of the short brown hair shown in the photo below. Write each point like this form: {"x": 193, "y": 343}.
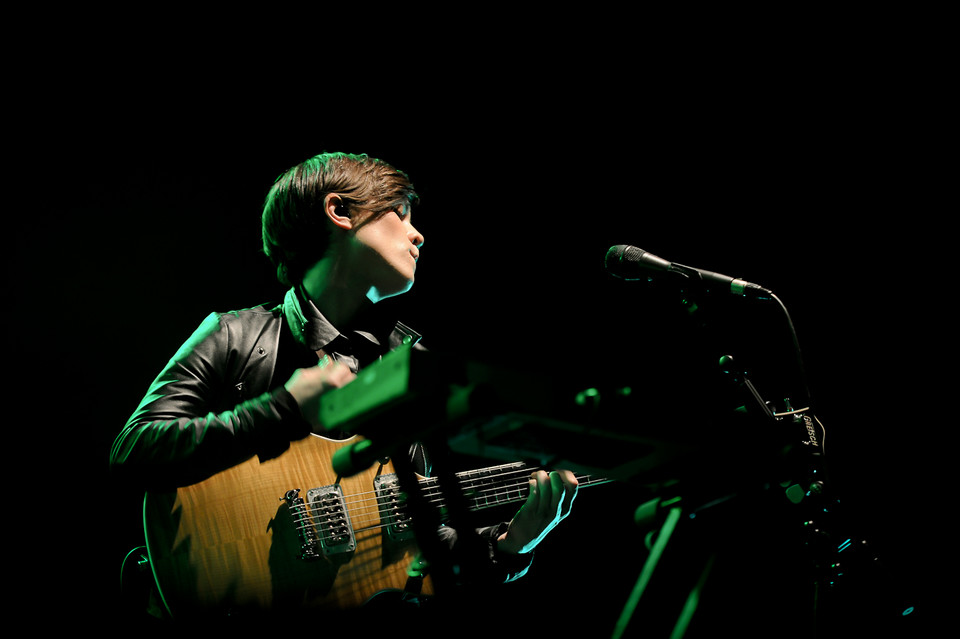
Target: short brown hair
{"x": 295, "y": 231}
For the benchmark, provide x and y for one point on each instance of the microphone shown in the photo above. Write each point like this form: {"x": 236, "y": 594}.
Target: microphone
{"x": 632, "y": 263}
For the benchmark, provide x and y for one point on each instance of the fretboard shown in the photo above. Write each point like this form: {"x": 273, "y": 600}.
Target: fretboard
{"x": 493, "y": 486}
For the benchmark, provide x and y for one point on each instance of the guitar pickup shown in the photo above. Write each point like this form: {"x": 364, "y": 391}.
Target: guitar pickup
{"x": 328, "y": 513}
{"x": 394, "y": 515}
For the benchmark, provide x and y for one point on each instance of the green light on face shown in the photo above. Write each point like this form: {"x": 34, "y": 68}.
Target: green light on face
{"x": 908, "y": 611}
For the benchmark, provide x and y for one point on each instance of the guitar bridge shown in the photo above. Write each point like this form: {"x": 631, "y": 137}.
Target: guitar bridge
{"x": 301, "y": 522}
{"x": 392, "y": 504}
{"x": 328, "y": 521}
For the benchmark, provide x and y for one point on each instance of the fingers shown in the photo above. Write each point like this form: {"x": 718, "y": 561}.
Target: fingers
{"x": 570, "y": 485}
{"x": 334, "y": 374}
{"x": 325, "y": 375}
{"x": 306, "y": 385}
{"x": 538, "y": 494}
{"x": 552, "y": 494}
{"x": 549, "y": 502}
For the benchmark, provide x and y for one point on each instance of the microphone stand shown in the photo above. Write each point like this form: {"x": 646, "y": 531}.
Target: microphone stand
{"x": 689, "y": 515}
{"x": 686, "y": 517}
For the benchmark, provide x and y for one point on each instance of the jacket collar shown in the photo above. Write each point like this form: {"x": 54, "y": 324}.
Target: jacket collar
{"x": 311, "y": 329}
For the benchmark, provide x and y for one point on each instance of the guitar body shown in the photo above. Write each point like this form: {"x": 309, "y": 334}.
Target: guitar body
{"x": 234, "y": 543}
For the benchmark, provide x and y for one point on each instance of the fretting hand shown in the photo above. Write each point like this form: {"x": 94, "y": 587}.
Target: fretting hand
{"x": 551, "y": 498}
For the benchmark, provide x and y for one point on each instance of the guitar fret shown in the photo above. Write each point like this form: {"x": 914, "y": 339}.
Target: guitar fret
{"x": 483, "y": 486}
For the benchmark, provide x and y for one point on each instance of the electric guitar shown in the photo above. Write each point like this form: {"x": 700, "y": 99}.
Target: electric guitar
{"x": 288, "y": 533}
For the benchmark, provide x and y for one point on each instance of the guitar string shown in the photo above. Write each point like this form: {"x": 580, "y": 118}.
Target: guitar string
{"x": 366, "y": 521}
{"x": 360, "y": 520}
{"x": 435, "y": 496}
{"x": 386, "y": 514}
{"x": 487, "y": 492}
{"x": 381, "y": 522}
{"x": 499, "y": 493}
{"x": 429, "y": 485}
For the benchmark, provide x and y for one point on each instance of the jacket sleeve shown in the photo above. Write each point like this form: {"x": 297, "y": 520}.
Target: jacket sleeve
{"x": 488, "y": 564}
{"x": 193, "y": 421}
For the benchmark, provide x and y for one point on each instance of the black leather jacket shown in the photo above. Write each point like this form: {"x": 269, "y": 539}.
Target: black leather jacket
{"x": 220, "y": 400}
{"x": 217, "y": 402}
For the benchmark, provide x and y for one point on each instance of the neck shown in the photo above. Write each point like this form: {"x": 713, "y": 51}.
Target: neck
{"x": 333, "y": 294}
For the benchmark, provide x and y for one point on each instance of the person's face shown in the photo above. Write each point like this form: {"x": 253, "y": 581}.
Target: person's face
{"x": 389, "y": 246}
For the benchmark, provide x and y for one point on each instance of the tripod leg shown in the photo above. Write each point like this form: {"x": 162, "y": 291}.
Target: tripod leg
{"x": 673, "y": 516}
{"x": 693, "y": 600}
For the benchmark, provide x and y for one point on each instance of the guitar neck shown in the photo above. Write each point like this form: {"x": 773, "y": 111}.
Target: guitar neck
{"x": 494, "y": 486}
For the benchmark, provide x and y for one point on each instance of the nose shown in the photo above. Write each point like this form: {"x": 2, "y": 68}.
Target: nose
{"x": 415, "y": 237}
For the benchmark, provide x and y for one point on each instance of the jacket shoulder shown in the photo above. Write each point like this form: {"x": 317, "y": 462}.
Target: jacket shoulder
{"x": 254, "y": 315}
{"x": 232, "y": 327}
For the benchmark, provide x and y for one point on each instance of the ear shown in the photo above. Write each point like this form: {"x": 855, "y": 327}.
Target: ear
{"x": 336, "y": 210}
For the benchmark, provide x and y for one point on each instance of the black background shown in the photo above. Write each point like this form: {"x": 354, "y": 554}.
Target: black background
{"x": 819, "y": 186}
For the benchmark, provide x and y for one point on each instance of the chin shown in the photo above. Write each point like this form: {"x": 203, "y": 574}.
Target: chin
{"x": 376, "y": 294}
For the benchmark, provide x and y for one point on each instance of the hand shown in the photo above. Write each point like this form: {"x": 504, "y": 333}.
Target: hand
{"x": 551, "y": 498}
{"x": 308, "y": 384}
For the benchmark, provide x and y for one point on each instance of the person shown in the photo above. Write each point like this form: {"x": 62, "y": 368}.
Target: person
{"x": 339, "y": 229}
